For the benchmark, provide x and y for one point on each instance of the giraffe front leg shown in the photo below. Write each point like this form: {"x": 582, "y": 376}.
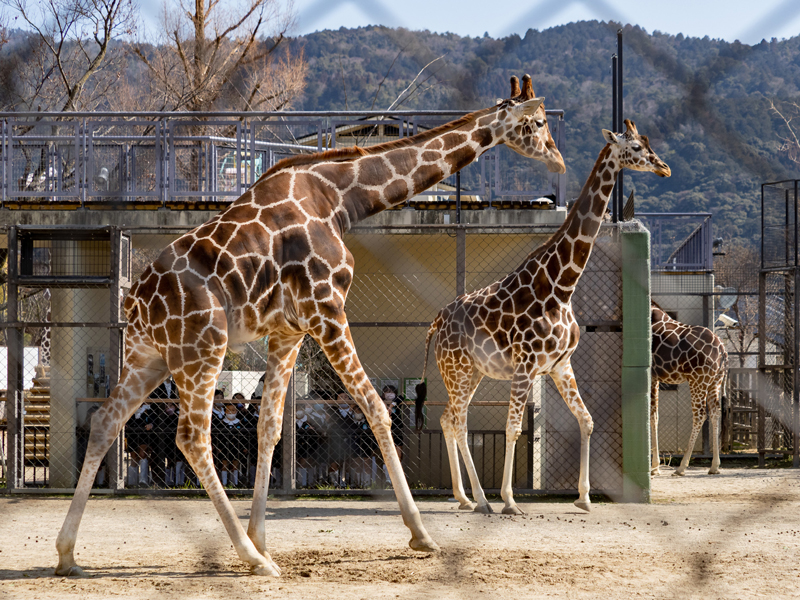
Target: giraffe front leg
{"x": 564, "y": 378}
{"x": 139, "y": 376}
{"x": 282, "y": 353}
{"x": 195, "y": 443}
{"x": 337, "y": 343}
{"x": 655, "y": 463}
{"x": 519, "y": 395}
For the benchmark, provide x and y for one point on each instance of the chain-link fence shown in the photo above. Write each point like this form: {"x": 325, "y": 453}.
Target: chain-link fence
{"x": 65, "y": 292}
{"x": 778, "y": 408}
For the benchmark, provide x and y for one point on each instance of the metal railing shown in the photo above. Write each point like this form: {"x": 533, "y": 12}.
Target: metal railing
{"x": 193, "y": 159}
{"x": 680, "y": 241}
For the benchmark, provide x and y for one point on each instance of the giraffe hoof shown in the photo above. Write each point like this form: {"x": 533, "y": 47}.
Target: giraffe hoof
{"x": 266, "y": 569}
{"x": 678, "y": 474}
{"x": 467, "y": 506}
{"x": 713, "y": 471}
{"x": 484, "y": 509}
{"x": 654, "y": 472}
{"x": 583, "y": 505}
{"x": 424, "y": 545}
{"x": 73, "y": 571}
{"x": 512, "y": 510}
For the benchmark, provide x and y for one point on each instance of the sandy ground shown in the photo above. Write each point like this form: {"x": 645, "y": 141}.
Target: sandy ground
{"x": 734, "y": 535}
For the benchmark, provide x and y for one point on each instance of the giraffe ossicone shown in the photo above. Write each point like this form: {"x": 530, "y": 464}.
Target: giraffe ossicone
{"x": 274, "y": 263}
{"x": 687, "y": 354}
{"x": 523, "y": 326}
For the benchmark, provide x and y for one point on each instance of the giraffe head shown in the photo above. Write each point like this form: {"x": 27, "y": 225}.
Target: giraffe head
{"x": 634, "y": 152}
{"x": 526, "y": 129}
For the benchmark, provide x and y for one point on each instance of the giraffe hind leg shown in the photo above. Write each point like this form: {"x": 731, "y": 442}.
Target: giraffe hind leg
{"x": 698, "y": 417}
{"x": 280, "y": 361}
{"x": 140, "y": 375}
{"x": 714, "y": 413}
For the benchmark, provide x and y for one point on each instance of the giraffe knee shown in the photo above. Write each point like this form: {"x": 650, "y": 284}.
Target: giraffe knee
{"x": 192, "y": 443}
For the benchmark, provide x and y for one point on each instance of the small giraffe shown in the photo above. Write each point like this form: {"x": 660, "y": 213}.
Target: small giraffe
{"x": 523, "y": 325}
{"x": 693, "y": 354}
{"x": 274, "y": 263}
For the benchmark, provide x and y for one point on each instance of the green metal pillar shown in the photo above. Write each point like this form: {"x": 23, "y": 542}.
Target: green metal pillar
{"x": 636, "y": 346}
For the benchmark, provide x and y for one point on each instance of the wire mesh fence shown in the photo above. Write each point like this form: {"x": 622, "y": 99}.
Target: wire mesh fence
{"x": 69, "y": 287}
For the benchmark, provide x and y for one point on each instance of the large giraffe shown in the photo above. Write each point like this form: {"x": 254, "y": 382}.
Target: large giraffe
{"x": 523, "y": 325}
{"x": 274, "y": 263}
{"x": 693, "y": 354}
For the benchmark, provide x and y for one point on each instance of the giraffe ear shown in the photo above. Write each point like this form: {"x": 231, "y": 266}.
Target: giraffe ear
{"x": 610, "y": 136}
{"x": 527, "y": 108}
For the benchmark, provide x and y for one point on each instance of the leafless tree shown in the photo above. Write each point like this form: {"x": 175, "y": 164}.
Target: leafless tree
{"x": 790, "y": 141}
{"x": 75, "y": 62}
{"x": 213, "y": 55}
{"x": 738, "y": 269}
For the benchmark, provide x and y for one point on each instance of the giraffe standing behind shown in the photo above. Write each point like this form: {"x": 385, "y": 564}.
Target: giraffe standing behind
{"x": 274, "y": 263}
{"x": 695, "y": 355}
{"x": 523, "y": 325}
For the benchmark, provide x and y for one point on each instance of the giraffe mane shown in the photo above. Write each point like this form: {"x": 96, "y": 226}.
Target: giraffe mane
{"x": 553, "y": 240}
{"x": 347, "y": 154}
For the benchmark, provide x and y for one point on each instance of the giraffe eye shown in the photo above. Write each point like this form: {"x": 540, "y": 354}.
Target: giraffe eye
{"x": 539, "y": 123}
{"x": 636, "y": 147}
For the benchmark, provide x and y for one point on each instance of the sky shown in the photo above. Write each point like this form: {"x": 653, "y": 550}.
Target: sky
{"x": 745, "y": 20}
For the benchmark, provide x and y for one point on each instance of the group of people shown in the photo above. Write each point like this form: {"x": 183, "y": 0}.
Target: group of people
{"x": 155, "y": 460}
{"x": 334, "y": 446}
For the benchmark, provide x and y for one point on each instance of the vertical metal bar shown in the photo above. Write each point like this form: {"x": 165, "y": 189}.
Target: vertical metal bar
{"x": 615, "y": 128}
{"x": 529, "y": 480}
{"x": 4, "y": 148}
{"x": 116, "y": 455}
{"x": 461, "y": 261}
{"x": 706, "y": 429}
{"x": 561, "y": 178}
{"x": 619, "y": 188}
{"x": 796, "y": 345}
{"x": 761, "y": 388}
{"x": 289, "y": 437}
{"x": 14, "y": 405}
{"x": 458, "y": 197}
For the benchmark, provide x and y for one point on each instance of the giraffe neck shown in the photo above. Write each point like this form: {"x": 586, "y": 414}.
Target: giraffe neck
{"x": 574, "y": 240}
{"x": 389, "y": 178}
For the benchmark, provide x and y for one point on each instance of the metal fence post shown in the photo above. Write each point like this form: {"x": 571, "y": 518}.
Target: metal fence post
{"x": 14, "y": 400}
{"x": 636, "y": 347}
{"x": 762, "y": 363}
{"x": 116, "y": 455}
{"x": 461, "y": 260}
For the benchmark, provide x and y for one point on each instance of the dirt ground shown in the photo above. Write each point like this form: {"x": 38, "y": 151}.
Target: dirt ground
{"x": 734, "y": 535}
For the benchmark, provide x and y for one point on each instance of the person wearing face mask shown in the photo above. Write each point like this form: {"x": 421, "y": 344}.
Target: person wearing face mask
{"x": 339, "y": 432}
{"x": 305, "y": 434}
{"x": 363, "y": 447}
{"x": 137, "y": 440}
{"x": 231, "y": 445}
{"x": 165, "y": 450}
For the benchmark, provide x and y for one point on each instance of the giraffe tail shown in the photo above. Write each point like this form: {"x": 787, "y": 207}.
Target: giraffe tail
{"x": 725, "y": 408}
{"x": 422, "y": 387}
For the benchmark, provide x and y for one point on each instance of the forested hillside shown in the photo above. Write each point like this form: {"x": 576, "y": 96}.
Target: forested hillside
{"x": 704, "y": 103}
